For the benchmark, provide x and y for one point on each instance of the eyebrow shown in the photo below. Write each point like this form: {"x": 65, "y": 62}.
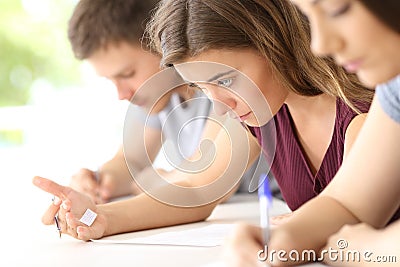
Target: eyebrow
{"x": 219, "y": 75}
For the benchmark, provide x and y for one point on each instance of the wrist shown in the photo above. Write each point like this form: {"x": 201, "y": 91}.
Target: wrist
{"x": 103, "y": 221}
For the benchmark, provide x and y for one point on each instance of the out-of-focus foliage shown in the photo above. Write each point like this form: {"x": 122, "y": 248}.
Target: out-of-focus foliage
{"x": 34, "y": 47}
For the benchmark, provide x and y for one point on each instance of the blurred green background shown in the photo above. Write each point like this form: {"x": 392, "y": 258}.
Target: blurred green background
{"x": 34, "y": 46}
{"x": 34, "y": 54}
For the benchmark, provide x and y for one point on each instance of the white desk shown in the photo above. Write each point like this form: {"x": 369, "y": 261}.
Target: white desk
{"x": 39, "y": 245}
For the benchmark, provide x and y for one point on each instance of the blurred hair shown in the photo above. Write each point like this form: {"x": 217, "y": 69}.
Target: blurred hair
{"x": 95, "y": 24}
{"x": 181, "y": 29}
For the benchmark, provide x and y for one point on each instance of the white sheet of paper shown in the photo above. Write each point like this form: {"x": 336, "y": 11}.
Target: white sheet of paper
{"x": 206, "y": 236}
{"x": 216, "y": 264}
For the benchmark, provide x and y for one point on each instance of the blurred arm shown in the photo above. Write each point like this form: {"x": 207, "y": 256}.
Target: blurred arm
{"x": 150, "y": 213}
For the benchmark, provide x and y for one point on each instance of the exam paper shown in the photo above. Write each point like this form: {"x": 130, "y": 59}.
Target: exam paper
{"x": 216, "y": 264}
{"x": 206, "y": 236}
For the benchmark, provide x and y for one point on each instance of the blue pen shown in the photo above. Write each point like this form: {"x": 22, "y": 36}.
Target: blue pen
{"x": 265, "y": 198}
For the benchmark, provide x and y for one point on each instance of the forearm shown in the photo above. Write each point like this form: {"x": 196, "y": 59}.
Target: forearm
{"x": 117, "y": 171}
{"x": 139, "y": 155}
{"x": 143, "y": 212}
{"x": 116, "y": 167}
{"x": 115, "y": 176}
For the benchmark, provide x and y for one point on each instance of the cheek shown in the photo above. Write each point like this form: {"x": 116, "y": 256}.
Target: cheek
{"x": 274, "y": 96}
{"x": 137, "y": 81}
{"x": 143, "y": 74}
{"x": 216, "y": 93}
{"x": 267, "y": 91}
{"x": 125, "y": 84}
{"x": 207, "y": 90}
{"x": 139, "y": 78}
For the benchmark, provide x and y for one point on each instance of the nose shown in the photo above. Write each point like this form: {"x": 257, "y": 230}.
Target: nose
{"x": 324, "y": 40}
{"x": 125, "y": 91}
{"x": 223, "y": 100}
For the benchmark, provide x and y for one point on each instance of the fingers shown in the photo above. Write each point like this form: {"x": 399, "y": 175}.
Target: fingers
{"x": 84, "y": 233}
{"x": 85, "y": 182}
{"x": 72, "y": 224}
{"x": 67, "y": 204}
{"x": 280, "y": 219}
{"x": 57, "y": 208}
{"x": 81, "y": 231}
{"x": 48, "y": 216}
{"x": 62, "y": 222}
{"x": 51, "y": 187}
{"x": 107, "y": 186}
{"x": 69, "y": 223}
{"x": 242, "y": 246}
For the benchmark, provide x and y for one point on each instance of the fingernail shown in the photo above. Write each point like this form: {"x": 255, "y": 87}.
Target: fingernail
{"x": 68, "y": 219}
{"x": 64, "y": 205}
{"x": 56, "y": 201}
{"x": 80, "y": 232}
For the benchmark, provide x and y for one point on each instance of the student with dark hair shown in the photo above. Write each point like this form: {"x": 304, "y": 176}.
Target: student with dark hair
{"x": 109, "y": 35}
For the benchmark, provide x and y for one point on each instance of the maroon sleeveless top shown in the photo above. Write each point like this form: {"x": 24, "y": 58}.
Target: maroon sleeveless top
{"x": 289, "y": 164}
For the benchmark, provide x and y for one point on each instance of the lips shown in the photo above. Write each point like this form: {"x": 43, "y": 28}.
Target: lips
{"x": 244, "y": 117}
{"x": 352, "y": 66}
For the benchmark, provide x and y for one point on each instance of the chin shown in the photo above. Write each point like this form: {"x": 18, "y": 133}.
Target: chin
{"x": 367, "y": 82}
{"x": 251, "y": 123}
{"x": 372, "y": 79}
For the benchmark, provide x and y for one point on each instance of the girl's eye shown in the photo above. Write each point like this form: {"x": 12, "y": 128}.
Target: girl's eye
{"x": 341, "y": 10}
{"x": 225, "y": 82}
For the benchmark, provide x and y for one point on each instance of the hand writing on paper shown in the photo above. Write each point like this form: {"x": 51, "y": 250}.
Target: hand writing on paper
{"x": 70, "y": 206}
{"x": 242, "y": 246}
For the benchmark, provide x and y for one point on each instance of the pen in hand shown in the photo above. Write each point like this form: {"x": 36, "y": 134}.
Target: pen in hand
{"x": 265, "y": 203}
{"x": 56, "y": 218}
{"x": 57, "y": 224}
